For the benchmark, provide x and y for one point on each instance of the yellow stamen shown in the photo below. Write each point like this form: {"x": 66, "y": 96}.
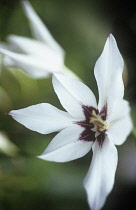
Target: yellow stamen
{"x": 98, "y": 122}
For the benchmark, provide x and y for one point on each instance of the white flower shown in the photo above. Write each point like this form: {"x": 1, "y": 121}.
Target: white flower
{"x": 86, "y": 125}
{"x": 38, "y": 57}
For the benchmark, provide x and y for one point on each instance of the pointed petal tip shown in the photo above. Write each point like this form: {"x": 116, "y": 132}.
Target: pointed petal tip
{"x": 2, "y": 51}
{"x": 42, "y": 157}
{"x": 5, "y": 51}
{"x": 11, "y": 36}
{"x": 39, "y": 156}
{"x": 24, "y": 3}
{"x": 111, "y": 37}
{"x": 9, "y": 113}
{"x": 12, "y": 113}
{"x": 112, "y": 40}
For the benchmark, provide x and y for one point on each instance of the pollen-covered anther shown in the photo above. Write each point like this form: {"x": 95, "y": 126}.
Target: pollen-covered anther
{"x": 99, "y": 124}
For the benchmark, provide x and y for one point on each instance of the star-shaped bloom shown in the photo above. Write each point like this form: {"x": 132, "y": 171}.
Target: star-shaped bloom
{"x": 86, "y": 125}
{"x": 38, "y": 57}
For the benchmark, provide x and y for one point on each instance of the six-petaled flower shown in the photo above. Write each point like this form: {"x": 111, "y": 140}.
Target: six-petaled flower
{"x": 86, "y": 125}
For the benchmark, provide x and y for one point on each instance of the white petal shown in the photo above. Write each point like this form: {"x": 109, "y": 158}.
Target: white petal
{"x": 119, "y": 130}
{"x": 100, "y": 177}
{"x": 120, "y": 122}
{"x": 108, "y": 72}
{"x": 6, "y": 59}
{"x": 4, "y": 45}
{"x": 32, "y": 65}
{"x": 66, "y": 146}
{"x": 37, "y": 48}
{"x": 73, "y": 94}
{"x": 39, "y": 30}
{"x": 8, "y": 46}
{"x": 120, "y": 110}
{"x": 43, "y": 118}
{"x": 8, "y": 62}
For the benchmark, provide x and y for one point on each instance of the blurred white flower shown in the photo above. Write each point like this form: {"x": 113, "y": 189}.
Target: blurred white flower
{"x": 38, "y": 57}
{"x": 86, "y": 125}
{"x": 6, "y": 146}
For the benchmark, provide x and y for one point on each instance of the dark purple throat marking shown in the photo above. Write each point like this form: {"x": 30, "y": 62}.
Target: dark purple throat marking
{"x": 94, "y": 124}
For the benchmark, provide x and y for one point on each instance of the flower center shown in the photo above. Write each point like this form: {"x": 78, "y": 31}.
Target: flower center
{"x": 99, "y": 124}
{"x": 94, "y": 124}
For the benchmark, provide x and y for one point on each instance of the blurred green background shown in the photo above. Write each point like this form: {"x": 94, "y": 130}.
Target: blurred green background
{"x": 81, "y": 28}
